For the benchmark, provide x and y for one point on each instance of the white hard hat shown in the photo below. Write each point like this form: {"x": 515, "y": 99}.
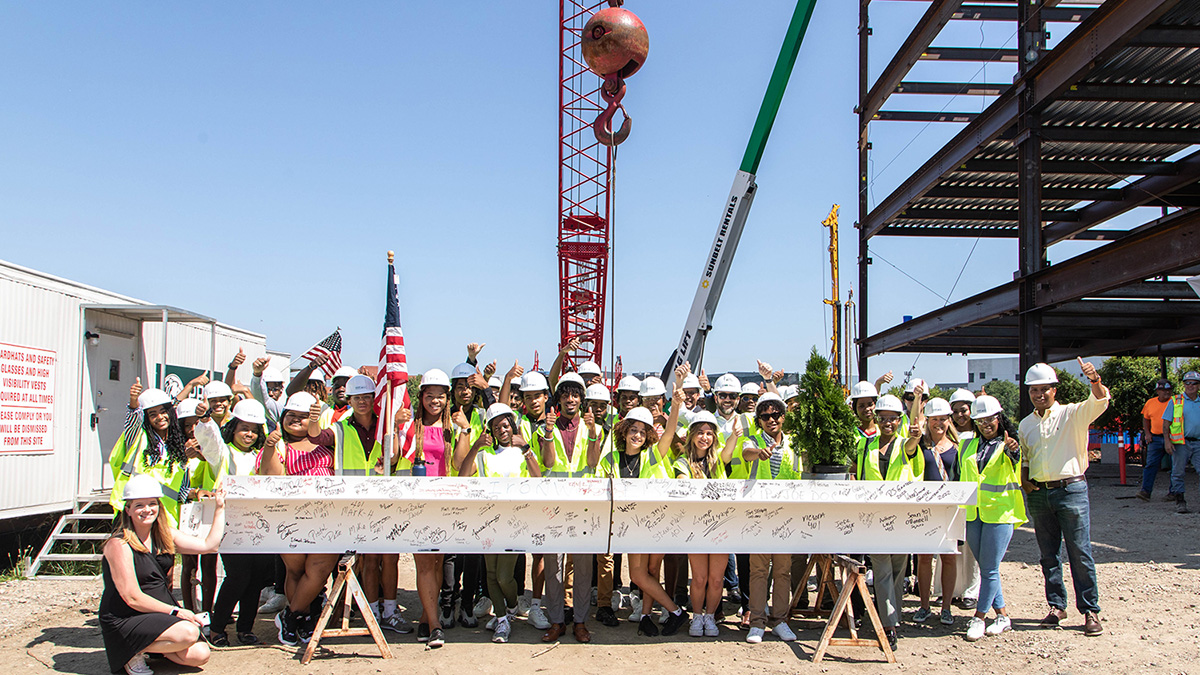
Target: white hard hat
{"x": 962, "y": 395}
{"x": 889, "y": 403}
{"x": 704, "y": 417}
{"x": 217, "y": 389}
{"x": 186, "y": 408}
{"x": 912, "y": 385}
{"x": 345, "y": 371}
{"x": 572, "y": 378}
{"x": 462, "y": 371}
{"x": 589, "y": 368}
{"x": 749, "y": 389}
{"x": 141, "y": 486}
{"x": 597, "y": 392}
{"x": 630, "y": 383}
{"x": 1191, "y": 376}
{"x": 250, "y": 411}
{"x": 728, "y": 384}
{"x": 864, "y": 389}
{"x": 497, "y": 409}
{"x": 152, "y": 398}
{"x": 937, "y": 406}
{"x": 790, "y": 392}
{"x": 534, "y": 382}
{"x": 1039, "y": 373}
{"x": 316, "y": 375}
{"x": 986, "y": 406}
{"x": 300, "y": 401}
{"x": 691, "y": 381}
{"x": 769, "y": 397}
{"x": 496, "y": 382}
{"x": 360, "y": 384}
{"x": 273, "y": 376}
{"x": 435, "y": 377}
{"x": 652, "y": 386}
{"x": 640, "y": 414}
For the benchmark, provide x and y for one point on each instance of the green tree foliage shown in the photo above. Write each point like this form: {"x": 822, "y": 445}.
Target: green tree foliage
{"x": 414, "y": 390}
{"x": 940, "y": 392}
{"x": 822, "y": 425}
{"x": 1070, "y": 388}
{"x": 1184, "y": 367}
{"x": 1009, "y": 395}
{"x": 1130, "y": 381}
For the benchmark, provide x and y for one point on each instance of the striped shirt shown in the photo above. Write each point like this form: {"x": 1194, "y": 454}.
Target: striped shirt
{"x": 315, "y": 462}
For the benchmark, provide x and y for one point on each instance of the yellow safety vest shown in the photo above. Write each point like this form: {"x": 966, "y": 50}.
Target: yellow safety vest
{"x": 653, "y": 465}
{"x": 789, "y": 469}
{"x": 1000, "y": 499}
{"x": 349, "y": 456}
{"x": 126, "y": 461}
{"x": 486, "y": 458}
{"x": 900, "y": 467}
{"x": 576, "y": 466}
{"x": 683, "y": 466}
{"x": 1176, "y": 431}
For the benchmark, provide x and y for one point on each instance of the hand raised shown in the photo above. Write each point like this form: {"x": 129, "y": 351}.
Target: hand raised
{"x": 260, "y": 366}
{"x": 474, "y": 348}
{"x": 238, "y": 359}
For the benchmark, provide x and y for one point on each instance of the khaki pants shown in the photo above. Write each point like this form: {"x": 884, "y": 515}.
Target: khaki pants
{"x": 604, "y": 580}
{"x": 766, "y": 568}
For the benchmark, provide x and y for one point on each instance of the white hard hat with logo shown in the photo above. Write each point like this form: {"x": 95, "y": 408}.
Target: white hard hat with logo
{"x": 641, "y": 414}
{"x": 141, "y": 486}
{"x": 691, "y": 382}
{"x": 571, "y": 378}
{"x": 152, "y": 398}
{"x": 630, "y": 383}
{"x": 462, "y": 371}
{"x": 863, "y": 389}
{"x": 652, "y": 386}
{"x": 937, "y": 406}
{"x": 534, "y": 382}
{"x": 435, "y": 377}
{"x": 300, "y": 401}
{"x": 913, "y": 383}
{"x": 316, "y": 376}
{"x": 889, "y": 403}
{"x": 250, "y": 411}
{"x": 985, "y": 406}
{"x": 597, "y": 392}
{"x": 495, "y": 382}
{"x": 217, "y": 389}
{"x": 789, "y": 392}
{"x": 273, "y": 376}
{"x": 704, "y": 417}
{"x": 345, "y": 371}
{"x": 360, "y": 384}
{"x": 769, "y": 397}
{"x": 749, "y": 389}
{"x": 496, "y": 410}
{"x": 962, "y": 395}
{"x": 728, "y": 384}
{"x": 187, "y": 408}
{"x": 589, "y": 368}
{"x": 1040, "y": 373}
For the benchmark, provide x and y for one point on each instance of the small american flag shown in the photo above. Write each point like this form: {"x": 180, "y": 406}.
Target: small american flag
{"x": 330, "y": 347}
{"x": 393, "y": 363}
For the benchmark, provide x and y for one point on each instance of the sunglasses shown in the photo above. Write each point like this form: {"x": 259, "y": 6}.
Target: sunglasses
{"x": 726, "y": 395}
{"x": 887, "y": 419}
{"x": 773, "y": 416}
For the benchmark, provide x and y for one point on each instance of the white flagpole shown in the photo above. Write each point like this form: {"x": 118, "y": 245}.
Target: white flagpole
{"x": 389, "y": 435}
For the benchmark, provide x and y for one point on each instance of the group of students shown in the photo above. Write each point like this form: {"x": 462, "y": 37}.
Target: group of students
{"x": 476, "y": 422}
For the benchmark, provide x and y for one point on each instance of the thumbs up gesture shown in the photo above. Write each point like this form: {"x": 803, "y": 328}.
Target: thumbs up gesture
{"x": 1010, "y": 444}
{"x": 135, "y": 390}
{"x": 1089, "y": 371}
{"x": 238, "y": 360}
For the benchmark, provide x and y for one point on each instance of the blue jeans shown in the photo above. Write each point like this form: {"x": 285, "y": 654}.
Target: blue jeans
{"x": 1187, "y": 452}
{"x": 1058, "y": 515}
{"x": 1154, "y": 457}
{"x": 988, "y": 542}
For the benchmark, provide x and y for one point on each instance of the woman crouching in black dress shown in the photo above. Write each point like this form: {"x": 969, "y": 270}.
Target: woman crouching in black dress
{"x": 137, "y": 612}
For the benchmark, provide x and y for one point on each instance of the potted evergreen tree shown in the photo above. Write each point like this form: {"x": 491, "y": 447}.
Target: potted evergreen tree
{"x": 821, "y": 424}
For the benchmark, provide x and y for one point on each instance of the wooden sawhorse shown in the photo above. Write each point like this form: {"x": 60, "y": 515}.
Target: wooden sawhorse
{"x": 346, "y": 581}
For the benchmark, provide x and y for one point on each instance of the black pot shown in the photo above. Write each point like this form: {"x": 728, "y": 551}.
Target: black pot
{"x": 829, "y": 472}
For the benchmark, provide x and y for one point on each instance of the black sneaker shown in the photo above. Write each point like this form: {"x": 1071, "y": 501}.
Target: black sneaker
{"x": 1143, "y": 495}
{"x": 423, "y": 632}
{"x": 286, "y": 623}
{"x": 218, "y": 639}
{"x": 436, "y": 638}
{"x": 647, "y": 627}
{"x": 447, "y": 617}
{"x": 968, "y": 603}
{"x": 1181, "y": 506}
{"x": 606, "y": 616}
{"x": 674, "y": 621}
{"x": 466, "y": 617}
{"x": 305, "y": 625}
{"x": 892, "y": 637}
{"x": 247, "y": 639}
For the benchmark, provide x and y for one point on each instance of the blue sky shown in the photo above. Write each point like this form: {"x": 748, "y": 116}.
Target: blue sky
{"x": 254, "y": 162}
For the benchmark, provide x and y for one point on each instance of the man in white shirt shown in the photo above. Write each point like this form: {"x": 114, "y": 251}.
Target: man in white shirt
{"x": 1053, "y": 462}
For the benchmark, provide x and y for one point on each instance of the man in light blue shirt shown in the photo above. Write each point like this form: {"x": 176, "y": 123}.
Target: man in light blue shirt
{"x": 1189, "y": 450}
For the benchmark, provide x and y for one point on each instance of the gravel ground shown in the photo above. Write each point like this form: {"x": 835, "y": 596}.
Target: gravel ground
{"x": 1149, "y": 568}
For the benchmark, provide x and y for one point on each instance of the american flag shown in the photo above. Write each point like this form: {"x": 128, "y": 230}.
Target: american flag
{"x": 393, "y": 364}
{"x": 330, "y": 347}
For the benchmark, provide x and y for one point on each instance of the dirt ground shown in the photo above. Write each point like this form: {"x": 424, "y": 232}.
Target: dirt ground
{"x": 1149, "y": 569}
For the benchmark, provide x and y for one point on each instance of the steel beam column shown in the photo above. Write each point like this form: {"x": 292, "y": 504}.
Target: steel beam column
{"x": 1030, "y": 243}
{"x": 864, "y": 148}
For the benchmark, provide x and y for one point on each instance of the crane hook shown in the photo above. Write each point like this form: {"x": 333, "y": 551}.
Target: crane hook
{"x": 612, "y": 91}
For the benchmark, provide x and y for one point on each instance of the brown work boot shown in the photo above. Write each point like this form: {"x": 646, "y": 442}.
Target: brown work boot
{"x": 1055, "y": 617}
{"x": 582, "y": 634}
{"x": 1091, "y": 624}
{"x": 556, "y": 631}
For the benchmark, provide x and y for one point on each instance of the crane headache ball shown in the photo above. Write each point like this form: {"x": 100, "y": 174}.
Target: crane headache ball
{"x": 615, "y": 42}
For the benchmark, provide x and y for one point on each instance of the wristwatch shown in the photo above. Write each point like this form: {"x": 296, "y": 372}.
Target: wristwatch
{"x": 174, "y": 611}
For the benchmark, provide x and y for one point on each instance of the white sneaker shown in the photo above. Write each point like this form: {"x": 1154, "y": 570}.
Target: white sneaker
{"x": 626, "y": 600}
{"x": 523, "y": 604}
{"x": 975, "y": 629}
{"x": 137, "y": 665}
{"x": 595, "y": 596}
{"x": 662, "y": 619}
{"x": 537, "y": 618}
{"x": 1001, "y": 624}
{"x": 491, "y": 625}
{"x": 710, "y": 626}
{"x": 503, "y": 629}
{"x": 274, "y": 604}
{"x": 483, "y": 607}
{"x": 617, "y": 601}
{"x": 784, "y": 632}
{"x": 755, "y": 635}
{"x": 635, "y": 607}
{"x": 697, "y": 627}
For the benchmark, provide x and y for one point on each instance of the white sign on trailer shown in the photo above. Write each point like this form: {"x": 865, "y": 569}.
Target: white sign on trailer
{"x": 276, "y": 514}
{"x": 26, "y": 400}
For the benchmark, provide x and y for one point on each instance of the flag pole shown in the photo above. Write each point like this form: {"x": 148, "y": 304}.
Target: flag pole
{"x": 389, "y": 414}
{"x": 293, "y": 362}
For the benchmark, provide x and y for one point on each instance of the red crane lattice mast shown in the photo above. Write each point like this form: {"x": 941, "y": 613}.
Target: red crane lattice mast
{"x": 584, "y": 193}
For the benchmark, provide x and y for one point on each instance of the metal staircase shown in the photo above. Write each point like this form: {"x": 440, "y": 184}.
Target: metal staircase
{"x": 89, "y": 509}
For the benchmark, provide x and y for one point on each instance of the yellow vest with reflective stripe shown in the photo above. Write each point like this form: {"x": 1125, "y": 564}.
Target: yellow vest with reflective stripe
{"x": 789, "y": 469}
{"x": 576, "y": 466}
{"x": 653, "y": 465}
{"x": 1176, "y": 431}
{"x": 349, "y": 456}
{"x": 486, "y": 456}
{"x": 1000, "y": 498}
{"x": 683, "y": 466}
{"x": 900, "y": 467}
{"x": 127, "y": 462}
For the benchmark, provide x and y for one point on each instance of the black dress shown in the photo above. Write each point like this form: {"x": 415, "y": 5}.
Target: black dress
{"x": 127, "y": 631}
